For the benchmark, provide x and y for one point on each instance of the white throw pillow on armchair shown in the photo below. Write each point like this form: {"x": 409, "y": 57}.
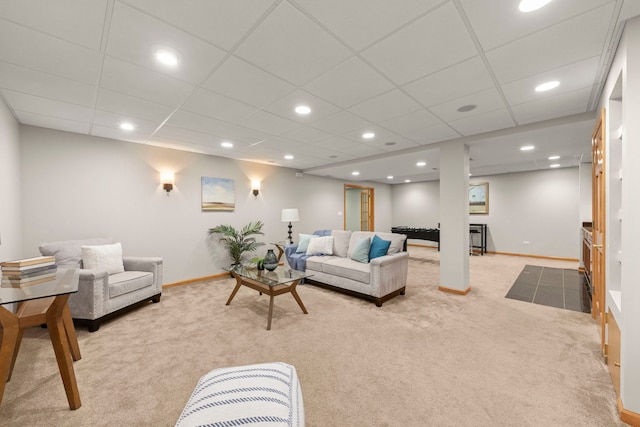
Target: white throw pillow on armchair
{"x": 103, "y": 257}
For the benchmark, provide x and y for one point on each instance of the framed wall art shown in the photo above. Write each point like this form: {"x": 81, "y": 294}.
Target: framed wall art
{"x": 218, "y": 194}
{"x": 479, "y": 198}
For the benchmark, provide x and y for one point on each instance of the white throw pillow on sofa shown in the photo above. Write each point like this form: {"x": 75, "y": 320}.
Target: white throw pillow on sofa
{"x": 320, "y": 246}
{"x": 103, "y": 257}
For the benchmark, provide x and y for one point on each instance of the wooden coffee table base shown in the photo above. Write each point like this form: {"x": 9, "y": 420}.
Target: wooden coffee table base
{"x": 272, "y": 291}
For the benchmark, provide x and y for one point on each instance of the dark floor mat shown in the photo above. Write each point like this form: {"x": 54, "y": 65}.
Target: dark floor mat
{"x": 555, "y": 287}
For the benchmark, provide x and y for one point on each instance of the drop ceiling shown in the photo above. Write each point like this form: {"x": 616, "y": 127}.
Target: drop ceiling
{"x": 400, "y": 69}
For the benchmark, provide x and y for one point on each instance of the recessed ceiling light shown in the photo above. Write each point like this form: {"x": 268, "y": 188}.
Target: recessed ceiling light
{"x": 127, "y": 126}
{"x": 368, "y": 135}
{"x": 303, "y": 109}
{"x": 420, "y": 164}
{"x": 527, "y": 148}
{"x": 355, "y": 173}
{"x": 288, "y": 157}
{"x": 469, "y": 174}
{"x": 555, "y": 165}
{"x": 466, "y": 108}
{"x": 547, "y": 86}
{"x": 227, "y": 144}
{"x": 531, "y": 5}
{"x": 407, "y": 180}
{"x": 554, "y": 157}
{"x": 390, "y": 177}
{"x": 166, "y": 57}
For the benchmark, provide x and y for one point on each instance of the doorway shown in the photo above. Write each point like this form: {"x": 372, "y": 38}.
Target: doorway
{"x": 358, "y": 208}
{"x": 598, "y": 142}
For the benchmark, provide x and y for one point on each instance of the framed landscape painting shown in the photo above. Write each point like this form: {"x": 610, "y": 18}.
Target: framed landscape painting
{"x": 479, "y": 198}
{"x": 218, "y": 194}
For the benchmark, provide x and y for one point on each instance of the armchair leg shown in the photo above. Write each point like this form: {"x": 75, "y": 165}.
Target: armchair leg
{"x": 156, "y": 299}
{"x": 93, "y": 325}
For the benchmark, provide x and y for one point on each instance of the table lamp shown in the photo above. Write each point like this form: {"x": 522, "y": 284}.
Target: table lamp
{"x": 290, "y": 215}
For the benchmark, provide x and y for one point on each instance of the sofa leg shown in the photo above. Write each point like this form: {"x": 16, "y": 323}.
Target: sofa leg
{"x": 378, "y": 302}
{"x": 156, "y": 299}
{"x": 402, "y": 291}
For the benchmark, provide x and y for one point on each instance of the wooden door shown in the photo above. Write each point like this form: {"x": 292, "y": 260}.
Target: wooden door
{"x": 598, "y": 302}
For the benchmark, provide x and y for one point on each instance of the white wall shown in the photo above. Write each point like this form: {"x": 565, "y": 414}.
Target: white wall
{"x": 76, "y": 186}
{"x": 10, "y": 186}
{"x": 541, "y": 207}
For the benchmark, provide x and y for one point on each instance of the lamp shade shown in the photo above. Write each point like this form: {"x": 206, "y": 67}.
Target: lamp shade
{"x": 290, "y": 215}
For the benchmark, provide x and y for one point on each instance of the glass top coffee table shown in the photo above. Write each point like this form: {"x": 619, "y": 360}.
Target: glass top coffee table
{"x": 277, "y": 282}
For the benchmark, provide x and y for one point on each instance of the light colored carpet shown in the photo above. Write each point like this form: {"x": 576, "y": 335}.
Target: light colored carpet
{"x": 424, "y": 359}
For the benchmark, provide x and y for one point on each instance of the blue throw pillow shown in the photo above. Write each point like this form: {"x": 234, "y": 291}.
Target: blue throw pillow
{"x": 303, "y": 242}
{"x": 360, "y": 250}
{"x": 379, "y": 247}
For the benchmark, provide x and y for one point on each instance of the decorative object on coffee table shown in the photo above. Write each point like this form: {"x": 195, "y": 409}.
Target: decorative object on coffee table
{"x": 270, "y": 260}
{"x": 238, "y": 242}
{"x": 290, "y": 215}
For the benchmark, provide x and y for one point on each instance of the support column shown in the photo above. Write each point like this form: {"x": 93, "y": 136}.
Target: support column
{"x": 454, "y": 218}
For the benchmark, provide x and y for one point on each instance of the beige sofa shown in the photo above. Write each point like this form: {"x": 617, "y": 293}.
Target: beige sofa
{"x": 377, "y": 280}
{"x": 102, "y": 295}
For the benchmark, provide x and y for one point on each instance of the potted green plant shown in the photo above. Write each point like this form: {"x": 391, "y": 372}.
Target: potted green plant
{"x": 238, "y": 242}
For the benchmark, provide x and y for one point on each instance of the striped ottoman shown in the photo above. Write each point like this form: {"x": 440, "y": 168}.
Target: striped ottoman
{"x": 263, "y": 394}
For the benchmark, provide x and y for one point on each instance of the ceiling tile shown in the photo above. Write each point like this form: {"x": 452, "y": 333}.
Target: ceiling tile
{"x": 187, "y": 120}
{"x": 386, "y": 106}
{"x": 392, "y": 142}
{"x": 189, "y": 135}
{"x": 49, "y": 54}
{"x": 219, "y": 107}
{"x": 83, "y": 26}
{"x": 269, "y": 123}
{"x": 285, "y": 107}
{"x": 135, "y": 36}
{"x": 306, "y": 134}
{"x": 247, "y": 83}
{"x": 349, "y": 83}
{"x": 34, "y": 119}
{"x": 497, "y": 22}
{"x": 174, "y": 144}
{"x": 46, "y": 85}
{"x": 244, "y": 135}
{"x": 561, "y": 44}
{"x": 417, "y": 49}
{"x": 432, "y": 134}
{"x": 119, "y": 135}
{"x": 418, "y": 119}
{"x": 298, "y": 50}
{"x": 453, "y": 82}
{"x": 485, "y": 101}
{"x": 571, "y": 77}
{"x": 348, "y": 146}
{"x": 564, "y": 104}
{"x": 340, "y": 122}
{"x": 115, "y": 102}
{"x": 47, "y": 107}
{"x": 220, "y": 22}
{"x": 123, "y": 77}
{"x": 113, "y": 120}
{"x": 360, "y": 23}
{"x": 486, "y": 122}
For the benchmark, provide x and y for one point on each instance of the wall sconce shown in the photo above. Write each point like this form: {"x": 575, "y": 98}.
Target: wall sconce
{"x": 255, "y": 187}
{"x": 167, "y": 179}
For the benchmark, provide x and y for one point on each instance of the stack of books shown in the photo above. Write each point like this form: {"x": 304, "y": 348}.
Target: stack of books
{"x": 30, "y": 271}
